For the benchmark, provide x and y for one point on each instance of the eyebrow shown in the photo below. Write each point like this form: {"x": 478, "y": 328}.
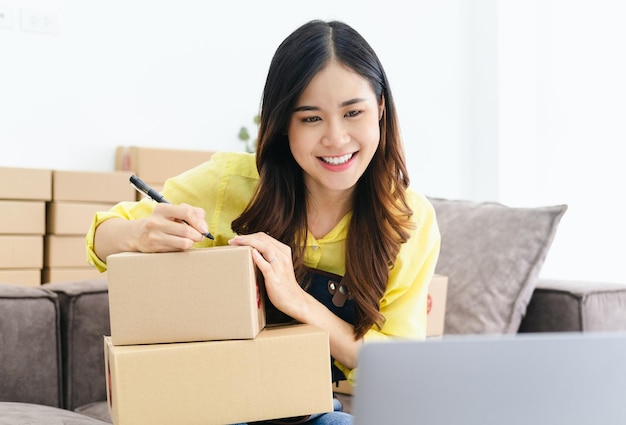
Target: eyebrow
{"x": 343, "y": 104}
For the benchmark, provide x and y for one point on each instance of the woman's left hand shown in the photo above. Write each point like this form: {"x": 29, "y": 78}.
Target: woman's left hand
{"x": 273, "y": 258}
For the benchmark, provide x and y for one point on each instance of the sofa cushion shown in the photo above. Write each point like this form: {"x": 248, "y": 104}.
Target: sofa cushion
{"x": 34, "y": 414}
{"x": 30, "y": 346}
{"x": 84, "y": 322}
{"x": 567, "y": 306}
{"x": 492, "y": 255}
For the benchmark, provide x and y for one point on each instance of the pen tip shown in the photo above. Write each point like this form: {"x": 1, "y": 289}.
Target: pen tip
{"x": 209, "y": 235}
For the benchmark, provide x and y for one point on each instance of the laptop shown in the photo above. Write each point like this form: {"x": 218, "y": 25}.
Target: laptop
{"x": 526, "y": 379}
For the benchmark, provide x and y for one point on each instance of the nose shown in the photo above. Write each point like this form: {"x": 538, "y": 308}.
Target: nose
{"x": 335, "y": 133}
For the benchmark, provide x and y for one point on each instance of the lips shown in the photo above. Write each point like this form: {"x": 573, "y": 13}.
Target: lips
{"x": 337, "y": 160}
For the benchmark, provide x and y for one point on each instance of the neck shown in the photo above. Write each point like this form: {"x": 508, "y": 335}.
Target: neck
{"x": 325, "y": 212}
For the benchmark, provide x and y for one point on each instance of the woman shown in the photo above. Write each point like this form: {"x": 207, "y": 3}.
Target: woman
{"x": 341, "y": 241}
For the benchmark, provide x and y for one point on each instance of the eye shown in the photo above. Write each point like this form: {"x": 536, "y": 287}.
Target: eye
{"x": 351, "y": 114}
{"x": 311, "y": 119}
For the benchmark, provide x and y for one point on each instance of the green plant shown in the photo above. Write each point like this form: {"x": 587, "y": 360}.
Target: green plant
{"x": 244, "y": 135}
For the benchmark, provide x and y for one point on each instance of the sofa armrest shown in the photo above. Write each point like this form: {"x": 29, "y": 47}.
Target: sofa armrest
{"x": 84, "y": 321}
{"x": 576, "y": 306}
{"x": 30, "y": 346}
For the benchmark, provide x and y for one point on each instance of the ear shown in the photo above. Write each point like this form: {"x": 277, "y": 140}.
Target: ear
{"x": 381, "y": 107}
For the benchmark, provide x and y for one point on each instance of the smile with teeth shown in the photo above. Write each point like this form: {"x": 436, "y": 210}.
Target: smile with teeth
{"x": 337, "y": 160}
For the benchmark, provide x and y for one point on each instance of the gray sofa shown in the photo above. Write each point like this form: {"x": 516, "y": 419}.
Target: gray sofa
{"x": 51, "y": 353}
{"x": 51, "y": 350}
{"x": 52, "y": 361}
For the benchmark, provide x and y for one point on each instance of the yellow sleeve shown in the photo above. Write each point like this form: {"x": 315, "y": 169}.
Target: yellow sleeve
{"x": 404, "y": 303}
{"x": 126, "y": 210}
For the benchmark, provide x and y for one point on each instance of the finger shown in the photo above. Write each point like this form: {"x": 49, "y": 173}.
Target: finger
{"x": 191, "y": 216}
{"x": 171, "y": 243}
{"x": 259, "y": 239}
{"x": 158, "y": 234}
{"x": 159, "y": 225}
{"x": 195, "y": 217}
{"x": 267, "y": 246}
{"x": 182, "y": 230}
{"x": 260, "y": 261}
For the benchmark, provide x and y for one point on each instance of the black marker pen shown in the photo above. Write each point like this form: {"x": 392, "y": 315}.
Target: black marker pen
{"x": 153, "y": 194}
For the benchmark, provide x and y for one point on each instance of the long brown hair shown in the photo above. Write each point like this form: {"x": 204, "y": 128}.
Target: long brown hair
{"x": 278, "y": 205}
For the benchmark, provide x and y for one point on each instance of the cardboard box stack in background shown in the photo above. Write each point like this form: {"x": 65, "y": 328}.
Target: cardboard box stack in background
{"x": 23, "y": 196}
{"x": 189, "y": 344}
{"x": 76, "y": 197}
{"x": 45, "y": 213}
{"x": 155, "y": 165}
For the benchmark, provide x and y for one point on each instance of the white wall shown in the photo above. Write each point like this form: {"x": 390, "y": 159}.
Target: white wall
{"x": 562, "y": 126}
{"x": 190, "y": 73}
{"x": 518, "y": 102}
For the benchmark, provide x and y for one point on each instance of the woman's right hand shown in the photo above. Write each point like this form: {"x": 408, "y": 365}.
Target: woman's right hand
{"x": 169, "y": 228}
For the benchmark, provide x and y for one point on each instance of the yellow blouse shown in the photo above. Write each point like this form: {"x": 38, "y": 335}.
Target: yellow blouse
{"x": 224, "y": 185}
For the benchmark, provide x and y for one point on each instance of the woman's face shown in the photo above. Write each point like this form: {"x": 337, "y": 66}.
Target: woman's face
{"x": 334, "y": 129}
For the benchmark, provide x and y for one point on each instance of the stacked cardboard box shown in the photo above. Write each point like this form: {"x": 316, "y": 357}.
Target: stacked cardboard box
{"x": 189, "y": 344}
{"x": 23, "y": 196}
{"x": 76, "y": 197}
{"x": 155, "y": 165}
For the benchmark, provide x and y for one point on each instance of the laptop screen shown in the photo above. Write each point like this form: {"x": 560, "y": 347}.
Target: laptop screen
{"x": 529, "y": 379}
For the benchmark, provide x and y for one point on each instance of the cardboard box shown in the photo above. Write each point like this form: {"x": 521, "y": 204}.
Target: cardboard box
{"x": 70, "y": 274}
{"x": 21, "y": 252}
{"x": 284, "y": 372}
{"x": 196, "y": 295}
{"x": 25, "y": 183}
{"x": 155, "y": 165}
{"x": 23, "y": 217}
{"x": 65, "y": 251}
{"x": 437, "y": 295}
{"x": 92, "y": 186}
{"x": 343, "y": 387}
{"x": 72, "y": 218}
{"x": 24, "y": 277}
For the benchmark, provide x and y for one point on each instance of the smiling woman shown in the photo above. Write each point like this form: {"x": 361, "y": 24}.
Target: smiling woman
{"x": 334, "y": 133}
{"x": 324, "y": 203}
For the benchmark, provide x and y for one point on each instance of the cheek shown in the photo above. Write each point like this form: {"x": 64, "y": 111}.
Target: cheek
{"x": 369, "y": 135}
{"x": 301, "y": 139}
{"x": 297, "y": 145}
